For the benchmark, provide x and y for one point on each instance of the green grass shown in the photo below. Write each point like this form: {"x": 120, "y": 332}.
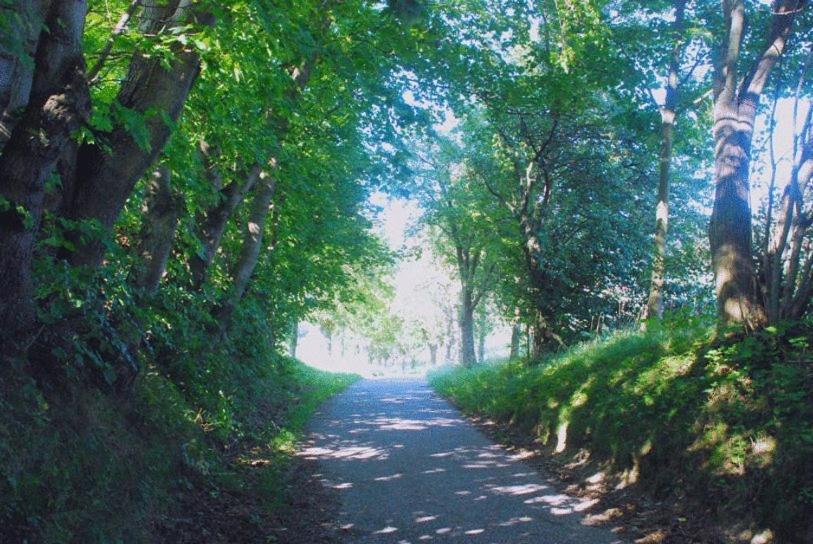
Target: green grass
{"x": 728, "y": 423}
{"x": 308, "y": 389}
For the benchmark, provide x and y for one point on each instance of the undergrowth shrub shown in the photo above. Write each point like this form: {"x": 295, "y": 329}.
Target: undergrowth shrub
{"x": 79, "y": 462}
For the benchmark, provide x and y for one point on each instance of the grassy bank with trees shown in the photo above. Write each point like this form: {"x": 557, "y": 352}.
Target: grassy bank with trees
{"x": 621, "y": 163}
{"x": 200, "y": 453}
{"x": 724, "y": 426}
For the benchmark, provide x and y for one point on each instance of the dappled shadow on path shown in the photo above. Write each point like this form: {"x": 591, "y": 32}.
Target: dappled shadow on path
{"x": 410, "y": 469}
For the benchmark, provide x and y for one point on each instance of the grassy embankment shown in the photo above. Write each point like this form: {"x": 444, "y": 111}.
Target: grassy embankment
{"x": 197, "y": 454}
{"x": 727, "y": 424}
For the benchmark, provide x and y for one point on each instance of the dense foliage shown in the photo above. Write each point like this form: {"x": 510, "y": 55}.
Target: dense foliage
{"x": 199, "y": 185}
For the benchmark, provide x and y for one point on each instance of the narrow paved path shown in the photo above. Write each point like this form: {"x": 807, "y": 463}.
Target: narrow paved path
{"x": 410, "y": 469}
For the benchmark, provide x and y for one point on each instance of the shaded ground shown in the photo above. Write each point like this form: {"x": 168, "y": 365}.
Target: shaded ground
{"x": 408, "y": 468}
{"x": 253, "y": 490}
{"x": 639, "y": 517}
{"x": 216, "y": 514}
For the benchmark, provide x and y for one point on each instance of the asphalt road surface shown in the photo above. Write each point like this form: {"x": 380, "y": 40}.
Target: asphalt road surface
{"x": 409, "y": 469}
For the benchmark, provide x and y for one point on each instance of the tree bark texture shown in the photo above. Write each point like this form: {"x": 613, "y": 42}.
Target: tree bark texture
{"x": 468, "y": 356}
{"x": 252, "y": 244}
{"x": 105, "y": 173}
{"x": 735, "y": 109}
{"x": 213, "y": 223}
{"x": 18, "y": 45}
{"x": 59, "y": 103}
{"x": 162, "y": 210}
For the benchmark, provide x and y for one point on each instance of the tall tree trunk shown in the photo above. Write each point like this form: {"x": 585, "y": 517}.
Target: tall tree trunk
{"x": 538, "y": 336}
{"x": 21, "y": 32}
{"x": 734, "y": 116}
{"x": 213, "y": 224}
{"x": 162, "y": 210}
{"x": 543, "y": 335}
{"x": 59, "y": 103}
{"x": 252, "y": 244}
{"x": 433, "y": 354}
{"x": 654, "y": 305}
{"x": 541, "y": 332}
{"x": 467, "y": 354}
{"x": 730, "y": 228}
{"x": 107, "y": 171}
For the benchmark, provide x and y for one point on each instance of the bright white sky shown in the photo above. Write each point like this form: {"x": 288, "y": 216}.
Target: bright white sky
{"x": 422, "y": 286}
{"x": 783, "y": 142}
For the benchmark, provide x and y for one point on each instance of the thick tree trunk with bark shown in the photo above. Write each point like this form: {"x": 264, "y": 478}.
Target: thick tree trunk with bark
{"x": 433, "y": 354}
{"x": 162, "y": 210}
{"x": 730, "y": 228}
{"x": 25, "y": 19}
{"x": 735, "y": 109}
{"x": 106, "y": 172}
{"x": 468, "y": 356}
{"x": 59, "y": 103}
